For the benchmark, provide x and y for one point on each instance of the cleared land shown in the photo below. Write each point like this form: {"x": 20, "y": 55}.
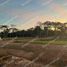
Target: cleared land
{"x": 54, "y": 54}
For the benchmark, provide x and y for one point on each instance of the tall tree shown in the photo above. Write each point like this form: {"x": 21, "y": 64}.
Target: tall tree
{"x": 5, "y": 31}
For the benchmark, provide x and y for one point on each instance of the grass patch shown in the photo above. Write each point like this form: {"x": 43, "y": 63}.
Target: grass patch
{"x": 45, "y": 41}
{"x": 40, "y": 42}
{"x": 59, "y": 42}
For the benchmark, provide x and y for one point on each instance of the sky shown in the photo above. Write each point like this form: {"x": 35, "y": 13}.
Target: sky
{"x": 27, "y": 13}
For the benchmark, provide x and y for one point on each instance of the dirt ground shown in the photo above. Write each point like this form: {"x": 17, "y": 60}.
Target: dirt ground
{"x": 32, "y": 55}
{"x": 54, "y": 56}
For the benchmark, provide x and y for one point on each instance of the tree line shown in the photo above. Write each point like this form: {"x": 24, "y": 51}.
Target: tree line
{"x": 45, "y": 29}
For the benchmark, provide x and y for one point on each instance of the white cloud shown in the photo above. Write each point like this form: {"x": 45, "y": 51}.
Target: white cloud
{"x": 11, "y": 19}
{"x": 46, "y": 2}
{"x": 29, "y": 24}
{"x": 26, "y": 2}
{"x": 5, "y": 2}
{"x": 65, "y": 4}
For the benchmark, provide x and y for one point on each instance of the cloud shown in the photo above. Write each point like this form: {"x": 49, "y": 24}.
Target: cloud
{"x": 5, "y": 2}
{"x": 22, "y": 14}
{"x": 26, "y": 2}
{"x": 10, "y": 20}
{"x": 62, "y": 12}
{"x": 29, "y": 23}
{"x": 65, "y": 4}
{"x": 47, "y": 2}
{"x": 32, "y": 22}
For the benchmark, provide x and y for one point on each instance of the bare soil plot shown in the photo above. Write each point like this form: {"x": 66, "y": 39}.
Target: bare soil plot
{"x": 31, "y": 51}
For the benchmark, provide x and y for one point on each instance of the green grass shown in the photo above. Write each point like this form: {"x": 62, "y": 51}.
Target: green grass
{"x": 56, "y": 42}
{"x": 18, "y": 43}
{"x": 40, "y": 42}
{"x": 53, "y": 43}
{"x": 59, "y": 42}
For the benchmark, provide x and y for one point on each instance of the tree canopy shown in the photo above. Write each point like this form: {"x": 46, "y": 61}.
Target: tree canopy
{"x": 45, "y": 29}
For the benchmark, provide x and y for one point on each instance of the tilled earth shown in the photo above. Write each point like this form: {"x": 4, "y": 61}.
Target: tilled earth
{"x": 30, "y": 56}
{"x": 13, "y": 54}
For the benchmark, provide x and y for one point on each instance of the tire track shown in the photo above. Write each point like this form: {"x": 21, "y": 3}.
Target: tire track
{"x": 28, "y": 43}
{"x": 8, "y": 42}
{"x": 41, "y": 54}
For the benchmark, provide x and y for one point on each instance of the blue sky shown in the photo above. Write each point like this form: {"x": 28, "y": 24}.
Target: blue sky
{"x": 26, "y": 13}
